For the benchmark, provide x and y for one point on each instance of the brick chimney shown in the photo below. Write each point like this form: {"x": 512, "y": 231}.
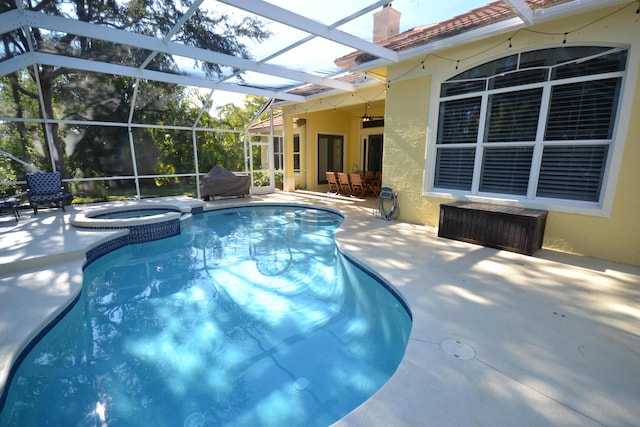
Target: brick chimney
{"x": 386, "y": 23}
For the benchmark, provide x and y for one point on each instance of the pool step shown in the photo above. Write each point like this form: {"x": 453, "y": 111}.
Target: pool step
{"x": 316, "y": 216}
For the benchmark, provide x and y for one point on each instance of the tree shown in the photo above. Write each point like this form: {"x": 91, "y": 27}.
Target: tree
{"x": 18, "y": 138}
{"x": 66, "y": 93}
{"x": 226, "y": 149}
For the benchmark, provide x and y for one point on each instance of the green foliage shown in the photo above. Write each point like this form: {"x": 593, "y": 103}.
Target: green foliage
{"x": 260, "y": 179}
{"x": 89, "y": 191}
{"x": 6, "y": 176}
{"x": 227, "y": 149}
{"x": 20, "y": 139}
{"x": 279, "y": 178}
{"x": 164, "y": 169}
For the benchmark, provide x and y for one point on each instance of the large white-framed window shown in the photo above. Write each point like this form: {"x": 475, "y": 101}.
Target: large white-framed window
{"x": 534, "y": 127}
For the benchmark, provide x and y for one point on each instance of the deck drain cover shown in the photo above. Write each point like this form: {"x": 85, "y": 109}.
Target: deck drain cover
{"x": 458, "y": 349}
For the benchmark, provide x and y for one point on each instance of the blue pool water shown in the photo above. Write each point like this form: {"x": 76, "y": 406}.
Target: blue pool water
{"x": 250, "y": 317}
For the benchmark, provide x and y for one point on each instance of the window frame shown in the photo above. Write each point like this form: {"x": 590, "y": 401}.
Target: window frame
{"x": 615, "y": 144}
{"x": 278, "y": 152}
{"x": 296, "y": 153}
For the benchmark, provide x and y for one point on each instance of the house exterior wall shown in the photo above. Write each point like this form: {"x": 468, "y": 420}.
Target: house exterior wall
{"x": 403, "y": 160}
{"x": 411, "y": 110}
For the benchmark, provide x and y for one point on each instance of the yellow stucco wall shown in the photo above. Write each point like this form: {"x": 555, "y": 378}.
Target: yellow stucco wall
{"x": 412, "y": 93}
{"x": 405, "y": 138}
{"x": 408, "y": 102}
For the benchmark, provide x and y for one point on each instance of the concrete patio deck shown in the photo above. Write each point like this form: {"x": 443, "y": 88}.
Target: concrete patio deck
{"x": 498, "y": 338}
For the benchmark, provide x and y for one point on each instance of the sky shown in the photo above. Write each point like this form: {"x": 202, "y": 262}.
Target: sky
{"x": 318, "y": 55}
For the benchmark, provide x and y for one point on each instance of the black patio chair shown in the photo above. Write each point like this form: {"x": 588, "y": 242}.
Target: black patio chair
{"x": 46, "y": 188}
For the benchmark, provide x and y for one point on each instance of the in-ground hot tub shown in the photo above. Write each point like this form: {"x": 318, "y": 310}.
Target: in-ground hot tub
{"x": 132, "y": 213}
{"x": 145, "y": 221}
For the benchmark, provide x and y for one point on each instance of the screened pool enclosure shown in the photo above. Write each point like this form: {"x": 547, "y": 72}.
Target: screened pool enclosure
{"x": 128, "y": 98}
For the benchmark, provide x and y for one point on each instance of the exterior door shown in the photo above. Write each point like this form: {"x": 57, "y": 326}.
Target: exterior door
{"x": 261, "y": 165}
{"x": 330, "y": 155}
{"x": 373, "y": 153}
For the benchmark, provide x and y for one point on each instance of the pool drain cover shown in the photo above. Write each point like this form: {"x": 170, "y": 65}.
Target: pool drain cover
{"x": 301, "y": 384}
{"x": 194, "y": 420}
{"x": 458, "y": 349}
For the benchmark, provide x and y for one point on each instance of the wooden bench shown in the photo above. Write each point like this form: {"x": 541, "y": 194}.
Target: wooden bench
{"x": 503, "y": 227}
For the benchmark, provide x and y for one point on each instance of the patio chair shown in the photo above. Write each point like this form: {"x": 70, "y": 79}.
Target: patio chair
{"x": 343, "y": 182}
{"x": 357, "y": 186}
{"x": 46, "y": 188}
{"x": 12, "y": 204}
{"x": 333, "y": 182}
{"x": 373, "y": 182}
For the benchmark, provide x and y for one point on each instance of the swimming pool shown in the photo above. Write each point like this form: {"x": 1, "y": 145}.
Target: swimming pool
{"x": 249, "y": 316}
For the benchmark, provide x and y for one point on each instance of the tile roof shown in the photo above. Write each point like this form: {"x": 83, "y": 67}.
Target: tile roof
{"x": 488, "y": 14}
{"x": 266, "y": 123}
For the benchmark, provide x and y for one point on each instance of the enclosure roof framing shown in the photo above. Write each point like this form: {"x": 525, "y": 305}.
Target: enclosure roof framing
{"x": 18, "y": 18}
{"x": 280, "y": 69}
{"x": 294, "y": 20}
{"x": 85, "y": 29}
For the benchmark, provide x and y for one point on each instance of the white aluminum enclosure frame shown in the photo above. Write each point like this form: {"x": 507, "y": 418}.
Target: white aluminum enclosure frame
{"x": 329, "y": 83}
{"x": 21, "y": 18}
